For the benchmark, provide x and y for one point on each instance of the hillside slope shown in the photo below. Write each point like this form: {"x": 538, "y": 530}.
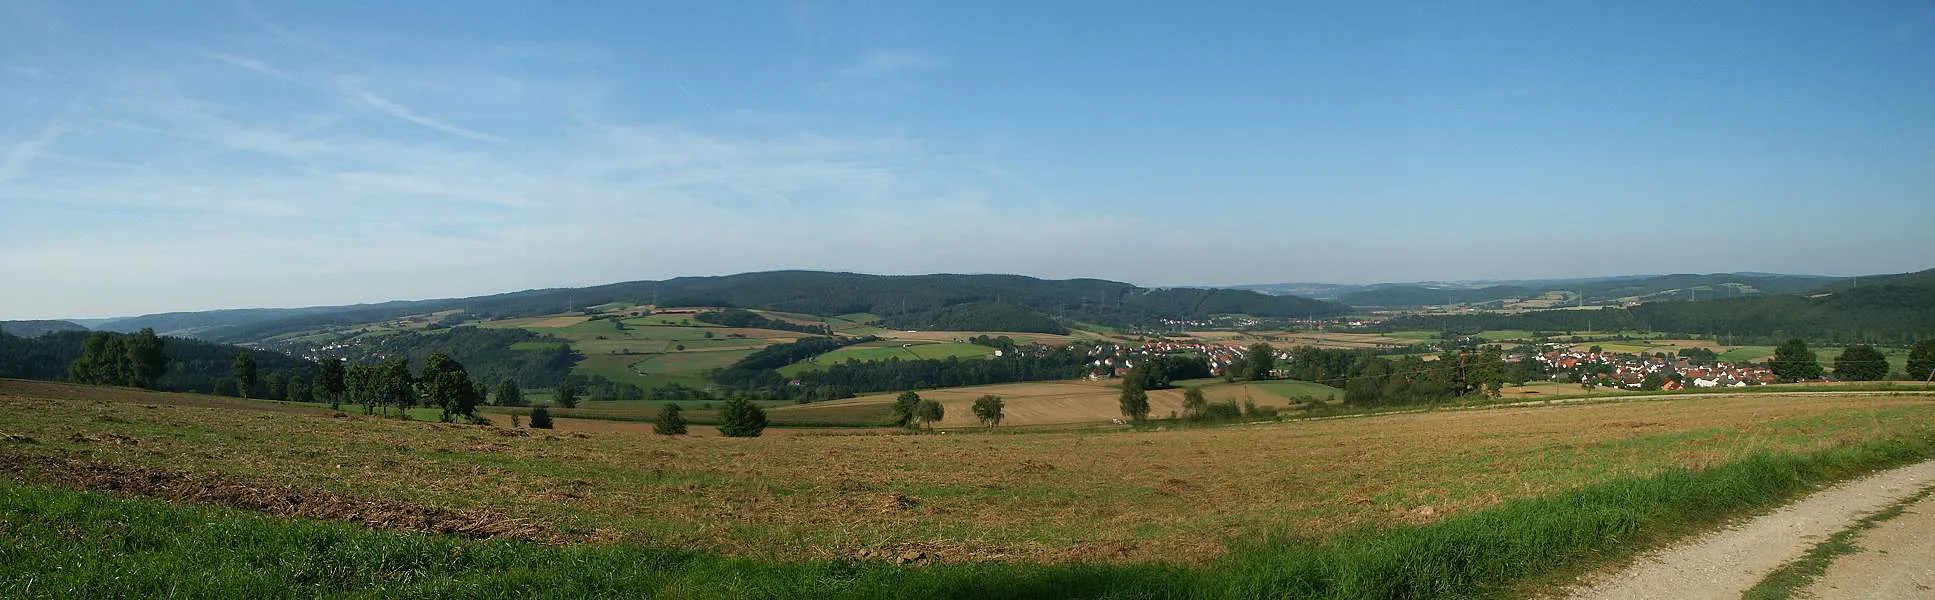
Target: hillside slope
{"x": 941, "y": 301}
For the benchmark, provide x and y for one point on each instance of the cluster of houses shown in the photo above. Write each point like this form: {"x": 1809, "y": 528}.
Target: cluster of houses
{"x": 1114, "y": 360}
{"x": 1631, "y": 370}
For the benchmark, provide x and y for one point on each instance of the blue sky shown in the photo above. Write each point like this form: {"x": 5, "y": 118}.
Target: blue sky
{"x": 160, "y": 156}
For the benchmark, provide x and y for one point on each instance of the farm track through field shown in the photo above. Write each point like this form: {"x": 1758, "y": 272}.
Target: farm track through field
{"x": 1724, "y": 564}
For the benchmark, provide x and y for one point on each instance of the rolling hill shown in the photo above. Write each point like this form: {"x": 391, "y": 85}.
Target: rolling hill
{"x": 1602, "y": 290}
{"x": 1889, "y": 309}
{"x": 939, "y": 302}
{"x": 29, "y": 329}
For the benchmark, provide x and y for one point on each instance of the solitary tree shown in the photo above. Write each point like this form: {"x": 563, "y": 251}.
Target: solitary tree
{"x": 1134, "y": 401}
{"x": 904, "y": 406}
{"x": 1921, "y": 360}
{"x": 566, "y": 394}
{"x": 1861, "y": 363}
{"x": 988, "y": 410}
{"x": 1194, "y": 404}
{"x": 1257, "y": 363}
{"x": 540, "y": 418}
{"x": 669, "y": 422}
{"x": 740, "y": 418}
{"x": 243, "y": 371}
{"x": 329, "y": 382}
{"x": 508, "y": 394}
{"x": 1794, "y": 362}
{"x": 929, "y": 411}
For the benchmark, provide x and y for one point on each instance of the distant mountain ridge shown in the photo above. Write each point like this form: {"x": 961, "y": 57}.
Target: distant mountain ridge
{"x": 29, "y": 329}
{"x": 940, "y": 301}
{"x": 1597, "y": 290}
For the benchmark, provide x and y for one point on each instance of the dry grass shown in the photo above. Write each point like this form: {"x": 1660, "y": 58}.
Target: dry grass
{"x": 1040, "y": 403}
{"x": 1118, "y": 496}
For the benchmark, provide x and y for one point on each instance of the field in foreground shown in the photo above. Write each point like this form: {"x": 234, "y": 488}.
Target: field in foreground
{"x": 1127, "y": 497}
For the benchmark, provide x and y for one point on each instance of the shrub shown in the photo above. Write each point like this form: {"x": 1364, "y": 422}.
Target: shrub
{"x": 740, "y": 418}
{"x": 540, "y": 418}
{"x": 669, "y": 422}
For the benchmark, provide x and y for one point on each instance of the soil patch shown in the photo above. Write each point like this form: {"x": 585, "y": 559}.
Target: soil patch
{"x": 278, "y": 500}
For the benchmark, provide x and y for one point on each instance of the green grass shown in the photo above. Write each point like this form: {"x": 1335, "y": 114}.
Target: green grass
{"x": 1747, "y": 354}
{"x": 873, "y": 351}
{"x": 1293, "y": 389}
{"x": 1787, "y": 581}
{"x": 68, "y": 544}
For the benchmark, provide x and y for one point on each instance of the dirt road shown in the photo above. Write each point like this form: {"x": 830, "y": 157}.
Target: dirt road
{"x": 1896, "y": 560}
{"x": 1726, "y": 563}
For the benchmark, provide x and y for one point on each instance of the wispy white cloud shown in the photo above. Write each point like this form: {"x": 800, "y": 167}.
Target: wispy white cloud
{"x": 251, "y": 64}
{"x": 22, "y": 154}
{"x": 388, "y": 107}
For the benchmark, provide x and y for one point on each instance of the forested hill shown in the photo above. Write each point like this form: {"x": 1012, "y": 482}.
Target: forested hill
{"x": 193, "y": 365}
{"x": 1896, "y": 309}
{"x": 951, "y": 302}
{"x": 38, "y": 328}
{"x": 1647, "y": 288}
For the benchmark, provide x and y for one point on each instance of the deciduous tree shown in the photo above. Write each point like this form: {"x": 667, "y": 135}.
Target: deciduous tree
{"x": 1861, "y": 363}
{"x": 243, "y": 371}
{"x": 929, "y": 411}
{"x": 147, "y": 359}
{"x": 1258, "y": 362}
{"x": 1134, "y": 401}
{"x": 447, "y": 386}
{"x": 329, "y": 382}
{"x": 565, "y": 394}
{"x": 904, "y": 406}
{"x": 1794, "y": 362}
{"x": 1194, "y": 403}
{"x": 508, "y": 394}
{"x": 988, "y": 409}
{"x": 1921, "y": 360}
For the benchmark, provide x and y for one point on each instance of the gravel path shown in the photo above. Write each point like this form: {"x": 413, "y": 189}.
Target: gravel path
{"x": 1725, "y": 563}
{"x": 1896, "y": 560}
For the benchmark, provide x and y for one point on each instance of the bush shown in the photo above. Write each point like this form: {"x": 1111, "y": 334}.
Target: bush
{"x": 740, "y": 418}
{"x": 540, "y": 418}
{"x": 669, "y": 422}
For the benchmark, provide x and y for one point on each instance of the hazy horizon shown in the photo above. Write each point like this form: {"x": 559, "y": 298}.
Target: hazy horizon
{"x": 373, "y": 300}
{"x": 162, "y": 158}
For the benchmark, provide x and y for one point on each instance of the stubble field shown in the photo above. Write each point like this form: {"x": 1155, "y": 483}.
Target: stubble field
{"x": 1152, "y": 496}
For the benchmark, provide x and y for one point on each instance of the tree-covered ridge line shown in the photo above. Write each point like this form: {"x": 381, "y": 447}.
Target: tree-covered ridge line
{"x": 1883, "y": 313}
{"x": 954, "y": 302}
{"x": 32, "y": 328}
{"x": 190, "y": 365}
{"x": 1683, "y": 286}
{"x": 735, "y": 317}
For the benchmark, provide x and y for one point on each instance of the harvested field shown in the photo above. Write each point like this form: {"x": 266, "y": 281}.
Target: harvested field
{"x": 1067, "y": 402}
{"x": 1172, "y": 496}
{"x": 281, "y": 500}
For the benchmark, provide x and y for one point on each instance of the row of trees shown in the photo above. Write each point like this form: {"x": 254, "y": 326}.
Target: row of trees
{"x": 137, "y": 360}
{"x": 1793, "y": 361}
